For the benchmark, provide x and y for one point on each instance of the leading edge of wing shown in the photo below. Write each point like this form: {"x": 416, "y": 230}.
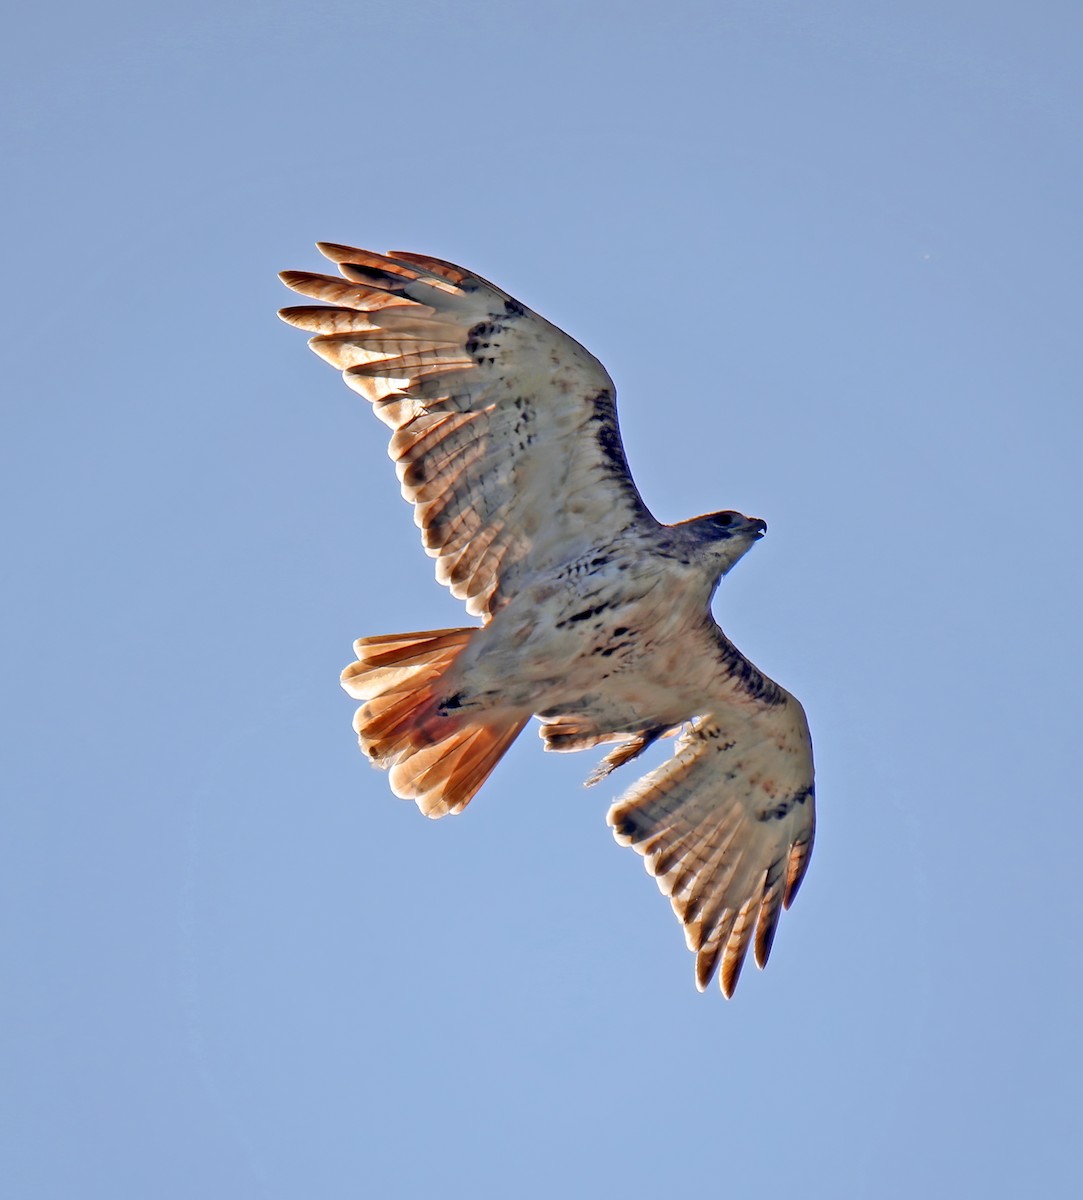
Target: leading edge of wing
{"x": 505, "y": 432}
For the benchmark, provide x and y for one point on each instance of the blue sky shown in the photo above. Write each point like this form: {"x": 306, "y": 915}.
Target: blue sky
{"x": 831, "y": 255}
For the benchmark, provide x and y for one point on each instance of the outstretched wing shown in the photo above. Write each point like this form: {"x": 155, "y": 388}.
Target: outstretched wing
{"x": 505, "y": 429}
{"x": 726, "y": 825}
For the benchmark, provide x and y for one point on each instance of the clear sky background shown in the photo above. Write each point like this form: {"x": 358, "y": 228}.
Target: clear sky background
{"x": 831, "y": 254}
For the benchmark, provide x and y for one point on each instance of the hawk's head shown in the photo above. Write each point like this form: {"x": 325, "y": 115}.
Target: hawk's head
{"x": 725, "y": 536}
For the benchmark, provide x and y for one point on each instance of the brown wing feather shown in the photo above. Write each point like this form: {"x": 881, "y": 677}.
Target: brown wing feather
{"x": 505, "y": 429}
{"x": 726, "y": 825}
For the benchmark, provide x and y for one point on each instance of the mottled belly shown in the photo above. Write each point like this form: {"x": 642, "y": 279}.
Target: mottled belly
{"x": 612, "y": 646}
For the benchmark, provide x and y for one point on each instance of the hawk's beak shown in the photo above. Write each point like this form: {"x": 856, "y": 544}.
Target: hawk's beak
{"x": 759, "y": 526}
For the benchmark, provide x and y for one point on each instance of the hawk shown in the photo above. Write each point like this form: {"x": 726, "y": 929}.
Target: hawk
{"x": 595, "y": 616}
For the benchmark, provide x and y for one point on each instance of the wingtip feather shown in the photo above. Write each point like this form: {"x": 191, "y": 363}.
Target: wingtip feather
{"x": 335, "y": 251}
{"x": 796, "y": 868}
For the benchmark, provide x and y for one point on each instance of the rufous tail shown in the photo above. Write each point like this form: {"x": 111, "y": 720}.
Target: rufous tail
{"x": 437, "y": 758}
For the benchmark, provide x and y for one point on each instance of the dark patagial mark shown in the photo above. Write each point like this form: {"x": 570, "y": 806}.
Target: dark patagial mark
{"x": 614, "y": 461}
{"x": 751, "y": 681}
{"x": 608, "y": 431}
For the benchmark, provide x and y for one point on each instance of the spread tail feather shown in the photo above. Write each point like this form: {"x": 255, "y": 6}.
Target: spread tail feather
{"x": 437, "y": 758}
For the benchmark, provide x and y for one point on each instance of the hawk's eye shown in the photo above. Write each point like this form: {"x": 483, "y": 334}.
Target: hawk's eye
{"x": 724, "y": 519}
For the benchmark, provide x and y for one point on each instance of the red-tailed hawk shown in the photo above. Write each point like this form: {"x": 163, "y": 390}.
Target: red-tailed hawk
{"x": 595, "y": 617}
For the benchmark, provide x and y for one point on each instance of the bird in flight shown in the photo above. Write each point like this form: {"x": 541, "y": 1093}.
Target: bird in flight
{"x": 595, "y": 616}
